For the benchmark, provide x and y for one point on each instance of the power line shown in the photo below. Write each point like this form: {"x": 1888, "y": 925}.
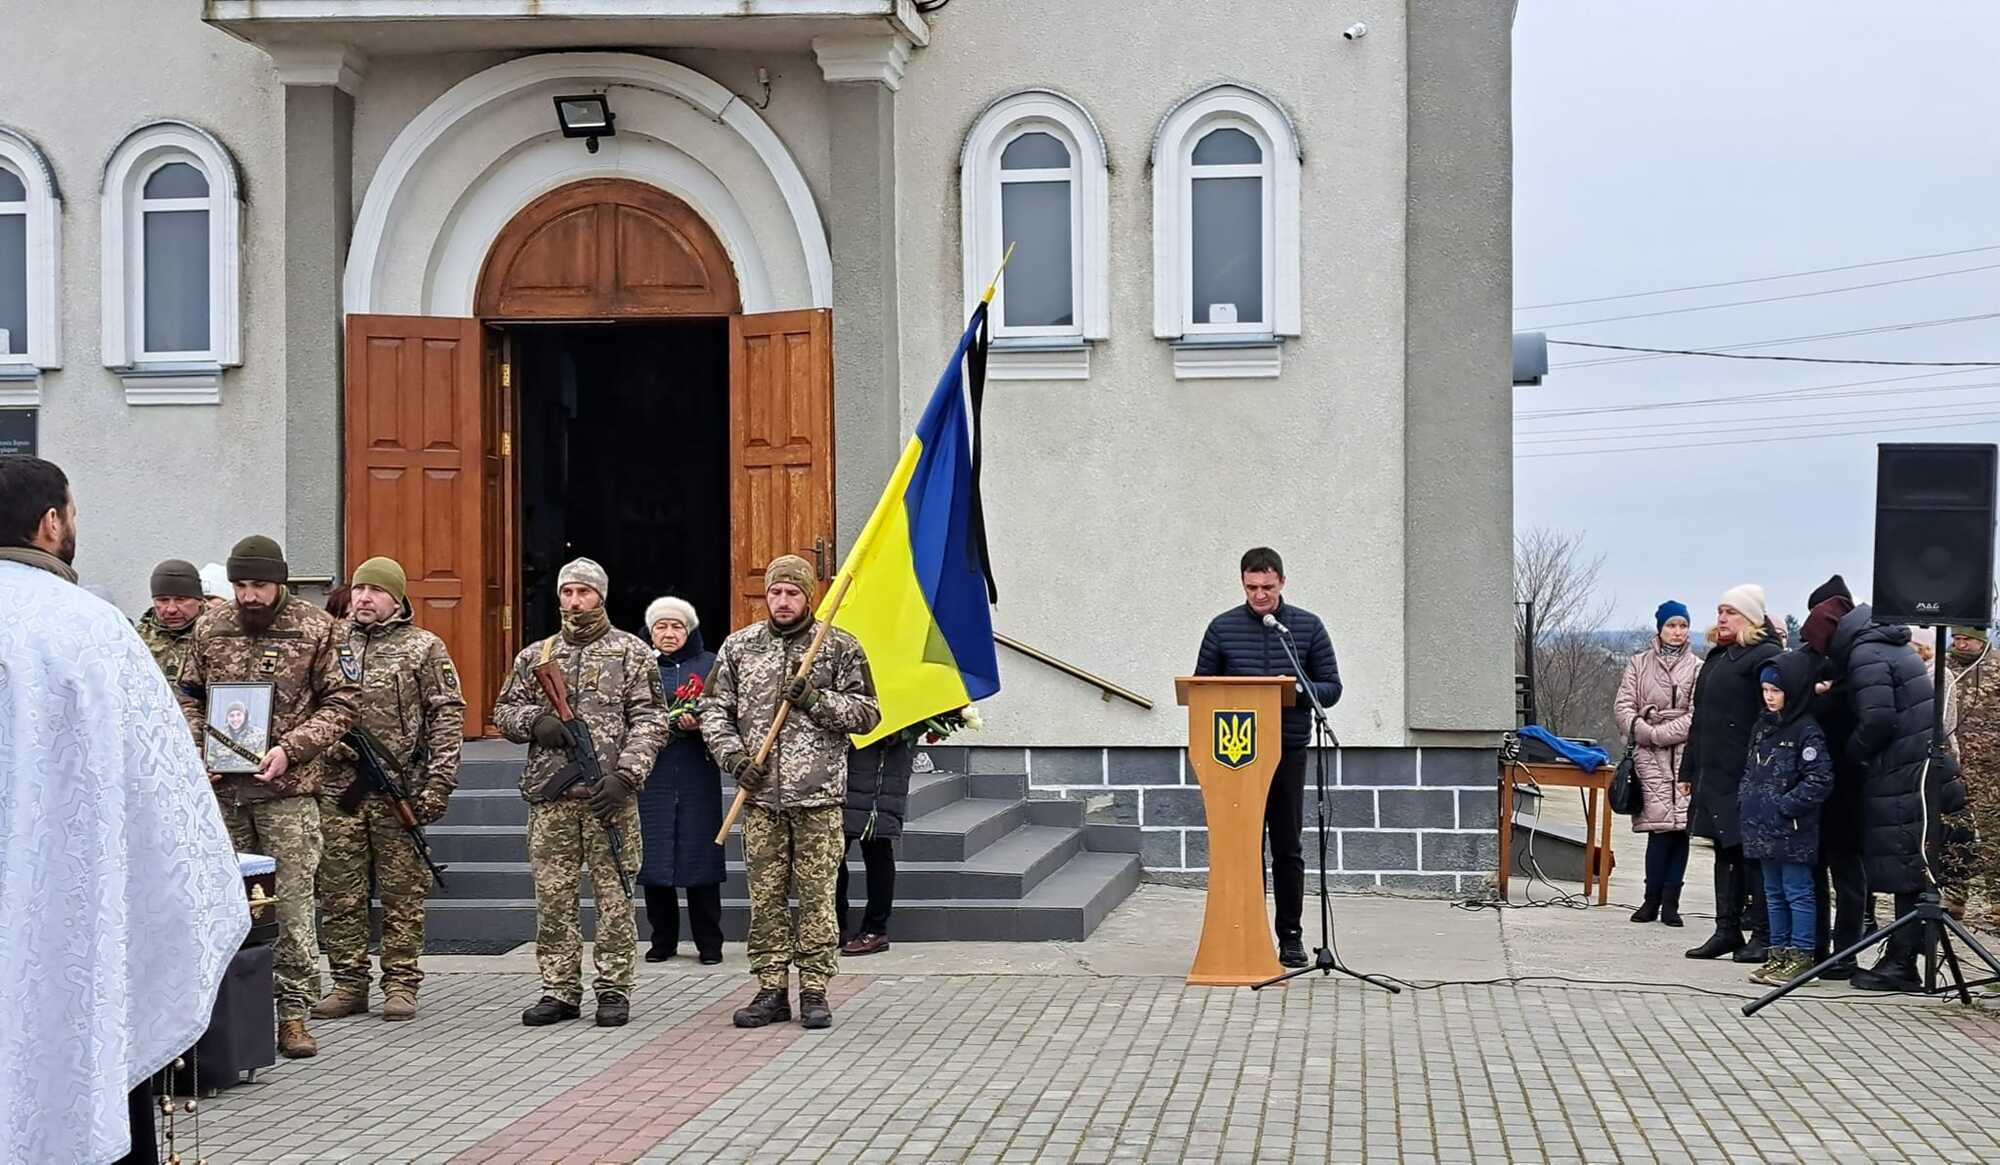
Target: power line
{"x": 1806, "y": 393}
{"x": 1760, "y": 278}
{"x": 1673, "y": 311}
{"x": 1722, "y": 349}
{"x": 1865, "y": 431}
{"x": 1794, "y": 420}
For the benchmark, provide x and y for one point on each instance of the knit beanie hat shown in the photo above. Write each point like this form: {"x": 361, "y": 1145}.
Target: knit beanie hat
{"x": 671, "y": 607}
{"x": 585, "y": 572}
{"x": 1671, "y": 609}
{"x": 1979, "y": 633}
{"x": 1831, "y": 588}
{"x": 1748, "y": 599}
{"x": 790, "y": 568}
{"x": 1770, "y": 676}
{"x": 258, "y": 559}
{"x": 1820, "y": 622}
{"x": 176, "y": 579}
{"x": 386, "y": 573}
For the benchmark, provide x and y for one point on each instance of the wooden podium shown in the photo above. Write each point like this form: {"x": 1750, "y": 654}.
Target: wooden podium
{"x": 1233, "y": 741}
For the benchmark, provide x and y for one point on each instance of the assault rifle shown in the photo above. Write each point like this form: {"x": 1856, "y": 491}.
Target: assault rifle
{"x": 583, "y": 768}
{"x": 378, "y": 774}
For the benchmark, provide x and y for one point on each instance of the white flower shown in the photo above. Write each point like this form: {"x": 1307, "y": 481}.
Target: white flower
{"x": 970, "y": 716}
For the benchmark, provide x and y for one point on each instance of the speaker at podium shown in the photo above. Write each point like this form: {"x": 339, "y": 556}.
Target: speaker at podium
{"x": 1234, "y": 738}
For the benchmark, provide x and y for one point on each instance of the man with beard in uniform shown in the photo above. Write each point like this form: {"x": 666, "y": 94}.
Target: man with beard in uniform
{"x": 168, "y": 627}
{"x": 614, "y": 688}
{"x": 410, "y": 702}
{"x": 792, "y": 821}
{"x": 270, "y": 636}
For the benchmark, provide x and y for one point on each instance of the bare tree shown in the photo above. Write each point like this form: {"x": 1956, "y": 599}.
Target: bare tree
{"x": 1576, "y": 672}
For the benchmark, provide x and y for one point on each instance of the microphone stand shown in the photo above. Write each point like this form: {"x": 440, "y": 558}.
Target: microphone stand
{"x": 1324, "y": 960}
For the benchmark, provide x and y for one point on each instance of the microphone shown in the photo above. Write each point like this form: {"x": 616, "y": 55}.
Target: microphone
{"x": 1272, "y": 621}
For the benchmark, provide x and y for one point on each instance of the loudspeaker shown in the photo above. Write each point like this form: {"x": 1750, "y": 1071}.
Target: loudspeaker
{"x": 1934, "y": 533}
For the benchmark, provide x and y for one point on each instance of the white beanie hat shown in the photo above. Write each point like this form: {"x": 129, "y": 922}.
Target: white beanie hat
{"x": 1747, "y": 598}
{"x": 670, "y": 607}
{"x": 587, "y": 572}
{"x": 215, "y": 581}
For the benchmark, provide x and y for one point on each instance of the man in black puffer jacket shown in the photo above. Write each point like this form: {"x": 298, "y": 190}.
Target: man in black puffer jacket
{"x": 1903, "y": 795}
{"x": 1239, "y": 644}
{"x": 1842, "y": 896}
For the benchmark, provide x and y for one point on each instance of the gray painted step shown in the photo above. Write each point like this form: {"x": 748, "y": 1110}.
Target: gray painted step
{"x": 961, "y": 829}
{"x": 1066, "y": 907}
{"x": 487, "y": 807}
{"x": 477, "y": 843}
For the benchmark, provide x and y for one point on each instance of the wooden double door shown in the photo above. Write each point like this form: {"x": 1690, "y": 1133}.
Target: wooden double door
{"x": 431, "y": 477}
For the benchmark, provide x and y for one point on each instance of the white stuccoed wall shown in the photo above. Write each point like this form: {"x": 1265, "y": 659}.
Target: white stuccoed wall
{"x": 181, "y": 481}
{"x": 1118, "y": 507}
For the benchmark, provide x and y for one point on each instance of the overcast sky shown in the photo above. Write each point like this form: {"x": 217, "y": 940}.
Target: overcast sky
{"x": 1659, "y": 144}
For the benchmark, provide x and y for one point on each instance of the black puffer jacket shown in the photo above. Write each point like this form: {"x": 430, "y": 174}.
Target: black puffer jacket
{"x": 1728, "y": 699}
{"x": 1238, "y": 644}
{"x": 878, "y": 782}
{"x": 1789, "y": 773}
{"x": 1903, "y": 798}
{"x": 1840, "y": 821}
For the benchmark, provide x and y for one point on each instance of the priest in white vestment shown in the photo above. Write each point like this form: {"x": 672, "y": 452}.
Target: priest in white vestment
{"x": 120, "y": 898}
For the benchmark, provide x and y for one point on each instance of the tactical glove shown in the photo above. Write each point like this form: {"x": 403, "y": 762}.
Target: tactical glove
{"x": 548, "y": 731}
{"x": 746, "y": 773}
{"x": 611, "y": 795}
{"x": 801, "y": 694}
{"x": 428, "y": 808}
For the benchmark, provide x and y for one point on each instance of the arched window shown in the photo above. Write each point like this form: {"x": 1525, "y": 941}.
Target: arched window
{"x": 1226, "y": 231}
{"x": 30, "y": 222}
{"x": 172, "y": 262}
{"x": 1034, "y": 175}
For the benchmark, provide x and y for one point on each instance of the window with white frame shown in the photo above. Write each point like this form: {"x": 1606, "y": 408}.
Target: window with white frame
{"x": 172, "y": 225}
{"x": 1226, "y": 231}
{"x": 30, "y": 218}
{"x": 1034, "y": 176}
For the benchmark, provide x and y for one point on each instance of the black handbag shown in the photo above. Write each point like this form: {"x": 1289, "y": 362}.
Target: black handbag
{"x": 1627, "y": 796}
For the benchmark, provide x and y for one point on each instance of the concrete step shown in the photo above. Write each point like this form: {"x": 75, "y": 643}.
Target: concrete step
{"x": 487, "y": 807}
{"x": 1066, "y": 906}
{"x": 477, "y": 843}
{"x": 961, "y": 829}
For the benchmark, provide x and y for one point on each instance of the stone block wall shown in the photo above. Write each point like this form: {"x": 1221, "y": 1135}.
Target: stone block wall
{"x": 1418, "y": 821}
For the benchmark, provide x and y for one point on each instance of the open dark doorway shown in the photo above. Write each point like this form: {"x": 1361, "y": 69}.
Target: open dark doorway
{"x": 624, "y": 456}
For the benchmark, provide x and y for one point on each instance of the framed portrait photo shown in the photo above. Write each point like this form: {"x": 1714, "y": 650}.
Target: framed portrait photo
{"x": 239, "y": 727}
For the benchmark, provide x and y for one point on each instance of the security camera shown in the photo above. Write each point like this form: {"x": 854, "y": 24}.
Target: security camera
{"x": 1355, "y": 31}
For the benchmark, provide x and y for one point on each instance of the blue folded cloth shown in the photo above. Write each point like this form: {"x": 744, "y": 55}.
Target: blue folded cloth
{"x": 1587, "y": 757}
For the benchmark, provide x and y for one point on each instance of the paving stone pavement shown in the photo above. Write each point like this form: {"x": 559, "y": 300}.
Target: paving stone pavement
{"x": 1020, "y": 1068}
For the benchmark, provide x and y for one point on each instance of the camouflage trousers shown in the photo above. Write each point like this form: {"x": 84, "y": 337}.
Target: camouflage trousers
{"x": 786, "y": 850}
{"x": 565, "y": 838}
{"x": 370, "y": 845}
{"x": 286, "y": 830}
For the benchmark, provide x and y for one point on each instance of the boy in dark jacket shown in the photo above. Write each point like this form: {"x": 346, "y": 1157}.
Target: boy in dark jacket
{"x": 1785, "y": 782}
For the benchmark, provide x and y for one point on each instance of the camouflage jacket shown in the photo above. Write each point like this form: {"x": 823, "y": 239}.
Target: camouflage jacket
{"x": 809, "y": 764}
{"x": 169, "y": 647}
{"x": 313, "y": 703}
{"x": 1975, "y": 724}
{"x": 410, "y": 700}
{"x": 614, "y": 686}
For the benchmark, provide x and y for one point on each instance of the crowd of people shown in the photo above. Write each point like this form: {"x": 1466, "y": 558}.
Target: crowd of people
{"x": 1808, "y": 766}
{"x": 287, "y": 714}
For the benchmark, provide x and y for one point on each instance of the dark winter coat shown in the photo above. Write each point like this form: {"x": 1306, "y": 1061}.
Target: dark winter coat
{"x": 1728, "y": 699}
{"x": 1238, "y": 644}
{"x": 1788, "y": 774}
{"x": 680, "y": 809}
{"x": 878, "y": 781}
{"x": 1903, "y": 797}
{"x": 1840, "y": 817}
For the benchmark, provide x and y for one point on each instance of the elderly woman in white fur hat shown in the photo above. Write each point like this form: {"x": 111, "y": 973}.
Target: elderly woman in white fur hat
{"x": 680, "y": 809}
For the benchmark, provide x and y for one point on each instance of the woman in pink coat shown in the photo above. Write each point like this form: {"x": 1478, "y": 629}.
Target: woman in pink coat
{"x": 1655, "y": 706}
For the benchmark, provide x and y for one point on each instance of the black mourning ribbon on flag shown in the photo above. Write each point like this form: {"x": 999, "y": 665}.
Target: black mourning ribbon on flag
{"x": 975, "y": 360}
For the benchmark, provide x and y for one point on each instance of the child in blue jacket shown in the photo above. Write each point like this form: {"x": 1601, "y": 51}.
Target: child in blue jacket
{"x": 1785, "y": 781}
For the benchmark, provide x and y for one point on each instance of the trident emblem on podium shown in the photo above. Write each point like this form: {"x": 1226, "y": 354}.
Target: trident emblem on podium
{"x": 1235, "y": 738}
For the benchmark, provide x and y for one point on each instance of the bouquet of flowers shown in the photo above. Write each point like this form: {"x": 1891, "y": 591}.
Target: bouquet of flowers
{"x": 942, "y": 726}
{"x": 685, "y": 698}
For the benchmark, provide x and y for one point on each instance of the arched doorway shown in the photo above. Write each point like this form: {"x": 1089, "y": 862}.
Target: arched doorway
{"x": 610, "y": 400}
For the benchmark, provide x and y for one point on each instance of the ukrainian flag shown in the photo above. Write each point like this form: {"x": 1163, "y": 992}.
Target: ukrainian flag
{"x": 919, "y": 584}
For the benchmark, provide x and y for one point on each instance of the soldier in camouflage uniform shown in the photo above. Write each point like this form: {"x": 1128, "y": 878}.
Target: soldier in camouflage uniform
{"x": 1970, "y": 865}
{"x": 792, "y": 821}
{"x": 410, "y": 701}
{"x": 614, "y": 688}
{"x": 270, "y": 636}
{"x": 168, "y": 627}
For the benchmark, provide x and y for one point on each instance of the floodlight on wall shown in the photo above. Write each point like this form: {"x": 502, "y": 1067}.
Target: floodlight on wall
{"x": 587, "y": 116}
{"x": 1531, "y": 358}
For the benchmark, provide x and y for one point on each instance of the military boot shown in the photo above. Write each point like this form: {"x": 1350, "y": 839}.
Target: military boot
{"x": 772, "y": 1005}
{"x": 549, "y": 1010}
{"x": 813, "y": 1010}
{"x": 342, "y": 1002}
{"x": 613, "y": 1009}
{"x": 400, "y": 1004}
{"x": 294, "y": 1041}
